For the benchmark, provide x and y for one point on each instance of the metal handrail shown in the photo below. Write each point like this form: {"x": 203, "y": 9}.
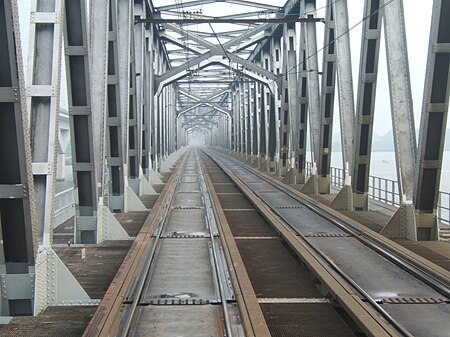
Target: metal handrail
{"x": 387, "y": 191}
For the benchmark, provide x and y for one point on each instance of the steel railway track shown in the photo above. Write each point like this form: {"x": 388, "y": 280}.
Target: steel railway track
{"x": 175, "y": 280}
{"x": 392, "y": 285}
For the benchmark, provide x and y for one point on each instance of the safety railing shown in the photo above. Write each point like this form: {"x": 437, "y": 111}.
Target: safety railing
{"x": 443, "y": 209}
{"x": 64, "y": 206}
{"x": 387, "y": 191}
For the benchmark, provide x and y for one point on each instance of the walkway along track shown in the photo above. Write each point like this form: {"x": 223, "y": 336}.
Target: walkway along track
{"x": 383, "y": 287}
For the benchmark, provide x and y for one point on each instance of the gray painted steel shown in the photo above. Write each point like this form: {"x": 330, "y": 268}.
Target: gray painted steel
{"x": 81, "y": 120}
{"x": 433, "y": 123}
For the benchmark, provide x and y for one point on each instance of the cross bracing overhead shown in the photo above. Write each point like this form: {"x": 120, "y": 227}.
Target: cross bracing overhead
{"x": 207, "y": 59}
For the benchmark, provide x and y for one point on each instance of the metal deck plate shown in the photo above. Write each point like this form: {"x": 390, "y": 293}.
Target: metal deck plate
{"x": 186, "y": 221}
{"x": 379, "y": 277}
{"x": 433, "y": 320}
{"x": 182, "y": 271}
{"x": 188, "y": 200}
{"x": 304, "y": 320}
{"x": 307, "y": 222}
{"x": 174, "y": 321}
{"x": 248, "y": 223}
{"x": 188, "y": 187}
{"x": 274, "y": 272}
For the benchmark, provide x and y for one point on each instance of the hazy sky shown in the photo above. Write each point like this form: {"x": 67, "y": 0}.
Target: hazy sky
{"x": 418, "y": 19}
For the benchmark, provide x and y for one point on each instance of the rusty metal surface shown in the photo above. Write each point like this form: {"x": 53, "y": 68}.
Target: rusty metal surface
{"x": 100, "y": 266}
{"x": 132, "y": 221}
{"x": 53, "y": 322}
{"x": 64, "y": 232}
{"x": 218, "y": 177}
{"x": 305, "y": 320}
{"x": 149, "y": 200}
{"x": 225, "y": 188}
{"x": 436, "y": 252}
{"x": 234, "y": 202}
{"x": 187, "y": 321}
{"x": 357, "y": 216}
{"x": 273, "y": 270}
{"x": 248, "y": 223}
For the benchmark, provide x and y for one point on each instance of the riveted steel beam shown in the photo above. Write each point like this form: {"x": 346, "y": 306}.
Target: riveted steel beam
{"x": 43, "y": 92}
{"x": 17, "y": 204}
{"x": 365, "y": 106}
{"x": 433, "y": 123}
{"x": 81, "y": 120}
{"x": 403, "y": 223}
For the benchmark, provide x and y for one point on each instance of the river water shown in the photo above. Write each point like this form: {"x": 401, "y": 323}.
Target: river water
{"x": 383, "y": 165}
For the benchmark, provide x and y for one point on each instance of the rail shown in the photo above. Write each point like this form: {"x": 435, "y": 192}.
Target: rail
{"x": 387, "y": 191}
{"x": 431, "y": 275}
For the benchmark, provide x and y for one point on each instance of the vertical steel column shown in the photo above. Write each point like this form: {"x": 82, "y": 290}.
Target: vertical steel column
{"x": 134, "y": 126}
{"x": 148, "y": 91}
{"x": 234, "y": 138}
{"x": 124, "y": 25}
{"x": 248, "y": 125}
{"x": 241, "y": 118}
{"x": 312, "y": 67}
{"x": 141, "y": 92}
{"x": 276, "y": 65}
{"x": 433, "y": 123}
{"x": 368, "y": 69}
{"x": 153, "y": 98}
{"x": 43, "y": 91}
{"x": 114, "y": 121}
{"x": 288, "y": 97}
{"x": 262, "y": 129}
{"x": 266, "y": 113}
{"x": 403, "y": 224}
{"x": 303, "y": 106}
{"x": 345, "y": 87}
{"x": 290, "y": 57}
{"x": 156, "y": 105}
{"x": 327, "y": 100}
{"x": 17, "y": 205}
{"x": 256, "y": 111}
{"x": 99, "y": 13}
{"x": 81, "y": 121}
{"x": 344, "y": 199}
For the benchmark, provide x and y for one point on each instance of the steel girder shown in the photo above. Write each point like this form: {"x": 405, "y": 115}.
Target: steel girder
{"x": 302, "y": 120}
{"x": 365, "y": 105}
{"x": 403, "y": 224}
{"x": 81, "y": 121}
{"x": 312, "y": 67}
{"x": 43, "y": 91}
{"x": 345, "y": 87}
{"x": 17, "y": 204}
{"x": 100, "y": 45}
{"x": 290, "y": 94}
{"x": 433, "y": 123}
{"x": 327, "y": 99}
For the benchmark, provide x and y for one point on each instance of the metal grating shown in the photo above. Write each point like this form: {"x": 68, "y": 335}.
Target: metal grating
{"x": 327, "y": 235}
{"x": 304, "y": 320}
{"x": 274, "y": 272}
{"x": 413, "y": 300}
{"x": 248, "y": 223}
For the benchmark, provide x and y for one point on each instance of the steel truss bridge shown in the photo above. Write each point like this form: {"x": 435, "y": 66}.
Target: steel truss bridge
{"x": 145, "y": 81}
